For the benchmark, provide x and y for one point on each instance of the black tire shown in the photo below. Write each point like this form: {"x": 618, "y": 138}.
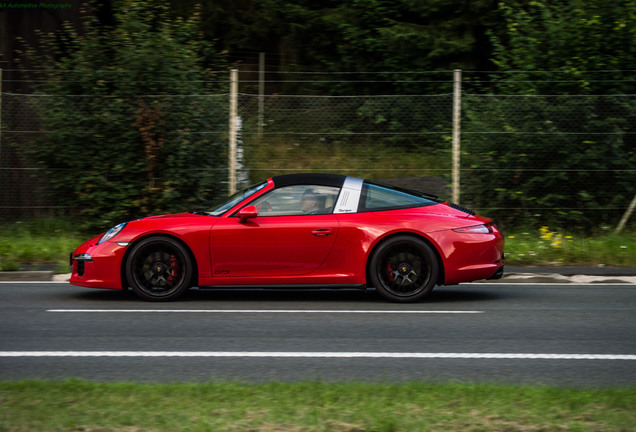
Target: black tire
{"x": 404, "y": 269}
{"x": 159, "y": 269}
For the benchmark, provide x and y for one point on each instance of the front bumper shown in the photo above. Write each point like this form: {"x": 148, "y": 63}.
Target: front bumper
{"x": 97, "y": 266}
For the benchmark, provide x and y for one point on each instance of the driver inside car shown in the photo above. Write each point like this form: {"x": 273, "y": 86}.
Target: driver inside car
{"x": 309, "y": 203}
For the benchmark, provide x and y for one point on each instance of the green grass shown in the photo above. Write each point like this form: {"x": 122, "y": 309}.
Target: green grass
{"x": 310, "y": 406}
{"x": 46, "y": 243}
{"x": 549, "y": 247}
{"x": 41, "y": 243}
{"x": 371, "y": 160}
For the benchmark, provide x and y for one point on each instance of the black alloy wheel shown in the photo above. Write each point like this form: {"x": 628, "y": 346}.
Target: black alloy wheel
{"x": 159, "y": 269}
{"x": 404, "y": 269}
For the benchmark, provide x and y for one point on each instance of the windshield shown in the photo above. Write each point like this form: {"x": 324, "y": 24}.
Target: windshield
{"x": 227, "y": 203}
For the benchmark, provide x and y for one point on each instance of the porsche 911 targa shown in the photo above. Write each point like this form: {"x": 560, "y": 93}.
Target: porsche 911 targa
{"x": 299, "y": 230}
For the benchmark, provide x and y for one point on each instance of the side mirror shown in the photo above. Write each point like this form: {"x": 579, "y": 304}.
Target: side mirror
{"x": 248, "y": 212}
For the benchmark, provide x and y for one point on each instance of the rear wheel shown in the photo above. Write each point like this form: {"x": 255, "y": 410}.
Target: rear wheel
{"x": 159, "y": 269}
{"x": 404, "y": 269}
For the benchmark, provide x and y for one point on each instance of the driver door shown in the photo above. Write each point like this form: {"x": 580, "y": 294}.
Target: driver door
{"x": 281, "y": 240}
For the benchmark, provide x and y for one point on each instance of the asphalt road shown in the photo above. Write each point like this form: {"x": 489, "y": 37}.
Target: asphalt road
{"x": 570, "y": 335}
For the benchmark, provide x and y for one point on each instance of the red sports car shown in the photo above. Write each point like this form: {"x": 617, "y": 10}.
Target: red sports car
{"x": 299, "y": 230}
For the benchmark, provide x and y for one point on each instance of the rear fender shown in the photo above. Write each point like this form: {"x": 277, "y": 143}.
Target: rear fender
{"x": 440, "y": 263}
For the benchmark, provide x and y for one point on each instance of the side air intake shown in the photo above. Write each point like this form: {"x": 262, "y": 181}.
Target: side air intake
{"x": 460, "y": 208}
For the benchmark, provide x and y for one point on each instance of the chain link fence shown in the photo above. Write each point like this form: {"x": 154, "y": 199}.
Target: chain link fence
{"x": 561, "y": 159}
{"x": 371, "y": 136}
{"x": 525, "y": 159}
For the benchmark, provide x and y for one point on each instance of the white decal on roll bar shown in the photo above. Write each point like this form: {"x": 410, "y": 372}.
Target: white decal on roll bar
{"x": 349, "y": 196}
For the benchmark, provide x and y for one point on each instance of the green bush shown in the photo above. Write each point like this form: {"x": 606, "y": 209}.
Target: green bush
{"x": 129, "y": 117}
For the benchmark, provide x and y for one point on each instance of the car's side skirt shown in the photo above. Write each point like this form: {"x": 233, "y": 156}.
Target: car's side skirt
{"x": 288, "y": 286}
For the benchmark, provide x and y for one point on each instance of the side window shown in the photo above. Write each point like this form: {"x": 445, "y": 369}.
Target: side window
{"x": 377, "y": 197}
{"x": 297, "y": 200}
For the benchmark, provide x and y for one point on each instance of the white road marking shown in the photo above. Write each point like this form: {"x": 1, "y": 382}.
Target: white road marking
{"x": 265, "y": 311}
{"x": 284, "y": 354}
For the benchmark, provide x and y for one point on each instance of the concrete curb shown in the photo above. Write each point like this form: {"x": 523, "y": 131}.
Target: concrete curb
{"x": 29, "y": 276}
{"x": 555, "y": 278}
{"x": 573, "y": 271}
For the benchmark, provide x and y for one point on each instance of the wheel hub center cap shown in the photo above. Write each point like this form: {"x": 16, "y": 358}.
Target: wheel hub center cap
{"x": 404, "y": 269}
{"x": 159, "y": 268}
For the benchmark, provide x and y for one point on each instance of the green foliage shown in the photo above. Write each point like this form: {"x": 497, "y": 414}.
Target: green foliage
{"x": 546, "y": 247}
{"x": 572, "y": 157}
{"x": 390, "y": 36}
{"x": 573, "y": 37}
{"x": 130, "y": 132}
{"x": 128, "y": 116}
{"x": 410, "y": 35}
{"x": 369, "y": 159}
{"x": 37, "y": 244}
{"x": 566, "y": 161}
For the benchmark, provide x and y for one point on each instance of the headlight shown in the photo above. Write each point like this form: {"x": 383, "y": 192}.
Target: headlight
{"x": 112, "y": 232}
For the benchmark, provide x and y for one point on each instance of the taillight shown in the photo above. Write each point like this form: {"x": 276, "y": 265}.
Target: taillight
{"x": 476, "y": 229}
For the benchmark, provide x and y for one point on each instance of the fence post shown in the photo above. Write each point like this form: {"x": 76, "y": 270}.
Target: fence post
{"x": 626, "y": 216}
{"x": 457, "y": 100}
{"x": 261, "y": 94}
{"x": 232, "y": 138}
{"x": 0, "y": 117}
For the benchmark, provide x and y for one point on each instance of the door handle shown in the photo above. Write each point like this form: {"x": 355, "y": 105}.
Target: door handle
{"x": 322, "y": 232}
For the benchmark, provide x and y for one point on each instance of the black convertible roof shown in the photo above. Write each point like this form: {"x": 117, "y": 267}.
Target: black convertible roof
{"x": 335, "y": 180}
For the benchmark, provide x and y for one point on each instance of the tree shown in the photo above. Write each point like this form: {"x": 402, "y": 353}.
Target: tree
{"x": 355, "y": 36}
{"x": 573, "y": 38}
{"x": 130, "y": 119}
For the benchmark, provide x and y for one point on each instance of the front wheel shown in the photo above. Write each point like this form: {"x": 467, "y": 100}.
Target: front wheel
{"x": 159, "y": 269}
{"x": 404, "y": 269}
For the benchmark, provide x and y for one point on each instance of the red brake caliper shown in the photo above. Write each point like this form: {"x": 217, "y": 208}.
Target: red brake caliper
{"x": 390, "y": 272}
{"x": 174, "y": 270}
